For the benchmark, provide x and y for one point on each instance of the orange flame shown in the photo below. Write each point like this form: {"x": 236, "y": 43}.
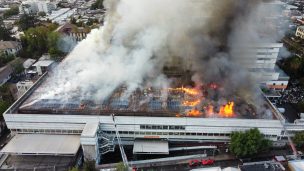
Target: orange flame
{"x": 190, "y": 91}
{"x": 191, "y": 103}
{"x": 210, "y": 110}
{"x": 178, "y": 115}
{"x": 227, "y": 110}
{"x": 194, "y": 113}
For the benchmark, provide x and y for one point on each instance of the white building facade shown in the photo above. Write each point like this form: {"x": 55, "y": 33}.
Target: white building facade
{"x": 260, "y": 60}
{"x": 35, "y": 6}
{"x": 10, "y": 47}
{"x": 46, "y": 6}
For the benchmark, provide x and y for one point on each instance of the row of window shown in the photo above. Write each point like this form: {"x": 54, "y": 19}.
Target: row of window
{"x": 300, "y": 30}
{"x": 166, "y": 133}
{"x": 171, "y": 127}
{"x": 265, "y": 53}
{"x": 47, "y": 131}
{"x": 277, "y": 84}
{"x": 177, "y": 133}
{"x": 58, "y": 131}
{"x": 264, "y": 59}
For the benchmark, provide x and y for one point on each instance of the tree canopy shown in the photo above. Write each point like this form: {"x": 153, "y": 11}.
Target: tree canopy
{"x": 298, "y": 139}
{"x": 4, "y": 33}
{"x": 4, "y": 105}
{"x": 74, "y": 169}
{"x": 12, "y": 11}
{"x": 17, "y": 67}
{"x": 26, "y": 22}
{"x": 89, "y": 166}
{"x": 248, "y": 143}
{"x": 40, "y": 40}
{"x": 293, "y": 66}
{"x": 4, "y": 59}
{"x": 6, "y": 98}
{"x": 121, "y": 167}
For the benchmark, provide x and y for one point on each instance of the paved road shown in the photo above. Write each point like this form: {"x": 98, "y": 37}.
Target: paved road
{"x": 185, "y": 167}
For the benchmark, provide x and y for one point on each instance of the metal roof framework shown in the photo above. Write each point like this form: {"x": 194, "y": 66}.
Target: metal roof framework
{"x": 43, "y": 144}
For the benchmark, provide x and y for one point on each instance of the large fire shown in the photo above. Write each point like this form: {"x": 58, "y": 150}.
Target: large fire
{"x": 195, "y": 99}
{"x": 227, "y": 110}
{"x": 191, "y": 91}
{"x": 191, "y": 103}
{"x": 209, "y": 110}
{"x": 194, "y": 113}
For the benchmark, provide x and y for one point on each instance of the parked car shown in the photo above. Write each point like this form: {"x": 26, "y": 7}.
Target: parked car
{"x": 207, "y": 162}
{"x": 193, "y": 163}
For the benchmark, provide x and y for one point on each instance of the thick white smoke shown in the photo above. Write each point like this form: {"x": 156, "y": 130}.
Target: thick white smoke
{"x": 130, "y": 49}
{"x": 140, "y": 36}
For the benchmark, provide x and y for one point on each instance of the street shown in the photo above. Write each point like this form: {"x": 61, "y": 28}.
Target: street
{"x": 186, "y": 167}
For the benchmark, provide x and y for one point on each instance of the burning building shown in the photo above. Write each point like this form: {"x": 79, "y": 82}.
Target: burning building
{"x": 144, "y": 115}
{"x": 150, "y": 73}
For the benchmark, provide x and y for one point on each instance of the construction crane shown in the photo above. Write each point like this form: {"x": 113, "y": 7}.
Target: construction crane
{"x": 122, "y": 151}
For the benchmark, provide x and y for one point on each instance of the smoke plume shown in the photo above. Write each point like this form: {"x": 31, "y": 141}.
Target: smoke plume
{"x": 140, "y": 37}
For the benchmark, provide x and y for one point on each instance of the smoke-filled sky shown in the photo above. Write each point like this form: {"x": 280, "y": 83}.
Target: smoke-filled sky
{"x": 140, "y": 36}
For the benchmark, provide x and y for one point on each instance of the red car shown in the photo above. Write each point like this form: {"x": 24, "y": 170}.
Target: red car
{"x": 194, "y": 163}
{"x": 207, "y": 162}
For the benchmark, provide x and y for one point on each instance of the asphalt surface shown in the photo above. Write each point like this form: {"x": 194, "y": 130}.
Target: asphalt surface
{"x": 186, "y": 167}
{"x": 222, "y": 160}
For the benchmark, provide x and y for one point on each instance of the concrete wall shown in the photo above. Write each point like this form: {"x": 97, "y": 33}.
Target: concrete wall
{"x": 89, "y": 152}
{"x": 129, "y": 126}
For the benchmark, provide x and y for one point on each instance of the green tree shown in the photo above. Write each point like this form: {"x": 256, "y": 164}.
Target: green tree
{"x": 52, "y": 44}
{"x": 298, "y": 139}
{"x": 4, "y": 105}
{"x": 293, "y": 66}
{"x": 40, "y": 40}
{"x": 121, "y": 167}
{"x": 4, "y": 33}
{"x": 35, "y": 41}
{"x": 248, "y": 143}
{"x": 12, "y": 11}
{"x": 26, "y": 22}
{"x": 74, "y": 169}
{"x": 97, "y": 5}
{"x": 6, "y": 98}
{"x": 4, "y": 59}
{"x": 17, "y": 68}
{"x": 89, "y": 166}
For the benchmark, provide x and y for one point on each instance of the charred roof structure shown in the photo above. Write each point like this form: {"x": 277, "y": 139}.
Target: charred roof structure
{"x": 170, "y": 102}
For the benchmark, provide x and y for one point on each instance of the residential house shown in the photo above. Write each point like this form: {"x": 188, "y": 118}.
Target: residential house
{"x": 10, "y": 47}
